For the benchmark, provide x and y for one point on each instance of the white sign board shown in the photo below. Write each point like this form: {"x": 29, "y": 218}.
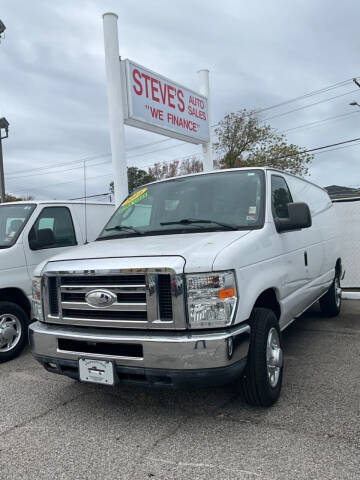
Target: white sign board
{"x": 154, "y": 103}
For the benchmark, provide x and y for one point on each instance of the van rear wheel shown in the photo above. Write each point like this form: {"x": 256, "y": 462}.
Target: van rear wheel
{"x": 262, "y": 379}
{"x": 330, "y": 303}
{"x": 13, "y": 330}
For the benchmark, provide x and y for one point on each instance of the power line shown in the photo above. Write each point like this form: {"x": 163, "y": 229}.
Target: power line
{"x": 307, "y": 95}
{"x": 317, "y": 149}
{"x": 59, "y": 171}
{"x": 309, "y": 105}
{"x": 86, "y": 159}
{"x": 147, "y": 153}
{"x": 64, "y": 183}
{"x": 305, "y": 125}
{"x": 93, "y": 165}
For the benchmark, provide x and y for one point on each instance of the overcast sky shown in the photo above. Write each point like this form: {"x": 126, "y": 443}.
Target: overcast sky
{"x": 259, "y": 53}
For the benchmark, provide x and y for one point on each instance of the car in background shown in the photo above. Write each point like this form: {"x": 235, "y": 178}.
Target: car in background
{"x": 31, "y": 232}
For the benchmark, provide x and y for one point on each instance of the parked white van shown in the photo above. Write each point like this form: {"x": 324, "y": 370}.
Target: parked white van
{"x": 191, "y": 282}
{"x": 31, "y": 232}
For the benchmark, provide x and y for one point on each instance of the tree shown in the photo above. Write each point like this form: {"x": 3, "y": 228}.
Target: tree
{"x": 136, "y": 178}
{"x": 173, "y": 169}
{"x": 12, "y": 198}
{"x": 243, "y": 141}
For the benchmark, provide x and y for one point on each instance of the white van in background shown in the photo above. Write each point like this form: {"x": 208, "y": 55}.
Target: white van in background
{"x": 31, "y": 232}
{"x": 191, "y": 282}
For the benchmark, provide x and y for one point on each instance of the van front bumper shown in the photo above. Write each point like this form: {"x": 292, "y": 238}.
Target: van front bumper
{"x": 176, "y": 359}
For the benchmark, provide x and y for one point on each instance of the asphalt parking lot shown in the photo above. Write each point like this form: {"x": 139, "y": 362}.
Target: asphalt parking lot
{"x": 52, "y": 427}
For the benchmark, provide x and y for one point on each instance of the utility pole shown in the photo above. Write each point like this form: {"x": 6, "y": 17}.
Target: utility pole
{"x": 4, "y": 125}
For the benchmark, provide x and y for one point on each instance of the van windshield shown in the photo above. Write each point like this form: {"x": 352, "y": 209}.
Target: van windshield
{"x": 212, "y": 202}
{"x": 13, "y": 218}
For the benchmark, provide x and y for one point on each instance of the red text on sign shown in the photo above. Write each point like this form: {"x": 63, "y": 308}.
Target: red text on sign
{"x": 157, "y": 90}
{"x": 182, "y": 122}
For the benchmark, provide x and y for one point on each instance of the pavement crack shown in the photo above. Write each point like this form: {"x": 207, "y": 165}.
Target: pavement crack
{"x": 40, "y": 415}
{"x": 327, "y": 436}
{"x": 205, "y": 465}
{"x": 170, "y": 433}
{"x": 173, "y": 431}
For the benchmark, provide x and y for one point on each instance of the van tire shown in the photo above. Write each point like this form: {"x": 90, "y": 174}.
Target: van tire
{"x": 330, "y": 303}
{"x": 256, "y": 387}
{"x": 12, "y": 314}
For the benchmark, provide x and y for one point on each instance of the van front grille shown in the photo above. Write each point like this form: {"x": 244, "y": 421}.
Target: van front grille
{"x": 53, "y": 299}
{"x": 105, "y": 315}
{"x": 121, "y": 297}
{"x": 165, "y": 301}
{"x": 103, "y": 280}
{"x": 129, "y": 300}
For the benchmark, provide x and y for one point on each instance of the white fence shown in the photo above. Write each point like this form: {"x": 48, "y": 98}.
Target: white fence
{"x": 348, "y": 213}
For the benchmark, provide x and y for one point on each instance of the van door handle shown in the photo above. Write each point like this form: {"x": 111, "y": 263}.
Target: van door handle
{"x": 305, "y": 259}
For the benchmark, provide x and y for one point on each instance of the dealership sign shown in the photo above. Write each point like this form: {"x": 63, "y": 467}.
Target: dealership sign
{"x": 154, "y": 103}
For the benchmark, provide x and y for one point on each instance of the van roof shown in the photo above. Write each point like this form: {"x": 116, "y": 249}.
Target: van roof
{"x": 223, "y": 170}
{"x": 57, "y": 202}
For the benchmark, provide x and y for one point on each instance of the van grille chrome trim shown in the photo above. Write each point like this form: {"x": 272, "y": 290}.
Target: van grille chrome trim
{"x": 119, "y": 307}
{"x": 150, "y": 300}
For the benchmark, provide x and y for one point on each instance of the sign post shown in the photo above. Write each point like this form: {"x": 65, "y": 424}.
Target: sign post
{"x": 206, "y": 147}
{"x": 117, "y": 133}
{"x": 144, "y": 99}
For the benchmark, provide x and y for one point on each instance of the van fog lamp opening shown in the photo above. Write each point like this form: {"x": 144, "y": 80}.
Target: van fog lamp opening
{"x": 37, "y": 310}
{"x": 211, "y": 299}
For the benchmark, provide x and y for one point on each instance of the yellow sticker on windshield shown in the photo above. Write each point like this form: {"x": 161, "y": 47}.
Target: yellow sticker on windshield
{"x": 140, "y": 195}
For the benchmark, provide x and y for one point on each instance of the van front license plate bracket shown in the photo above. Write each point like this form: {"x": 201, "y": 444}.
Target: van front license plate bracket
{"x": 96, "y": 371}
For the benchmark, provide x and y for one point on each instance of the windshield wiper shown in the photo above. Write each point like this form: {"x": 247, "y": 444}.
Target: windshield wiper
{"x": 124, "y": 227}
{"x": 189, "y": 221}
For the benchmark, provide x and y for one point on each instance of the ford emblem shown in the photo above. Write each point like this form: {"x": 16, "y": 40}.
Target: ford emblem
{"x": 100, "y": 298}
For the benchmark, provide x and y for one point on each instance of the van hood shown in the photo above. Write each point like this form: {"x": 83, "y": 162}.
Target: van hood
{"x": 198, "y": 250}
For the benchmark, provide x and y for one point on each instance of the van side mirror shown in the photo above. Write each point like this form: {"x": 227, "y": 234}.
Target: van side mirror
{"x": 299, "y": 217}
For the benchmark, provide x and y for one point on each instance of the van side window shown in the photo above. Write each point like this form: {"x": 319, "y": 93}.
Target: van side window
{"x": 280, "y": 197}
{"x": 303, "y": 191}
{"x": 53, "y": 228}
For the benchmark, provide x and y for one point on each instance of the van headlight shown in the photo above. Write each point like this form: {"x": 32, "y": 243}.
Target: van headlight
{"x": 37, "y": 310}
{"x": 211, "y": 299}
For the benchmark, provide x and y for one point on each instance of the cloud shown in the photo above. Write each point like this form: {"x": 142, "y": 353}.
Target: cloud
{"x": 53, "y": 88}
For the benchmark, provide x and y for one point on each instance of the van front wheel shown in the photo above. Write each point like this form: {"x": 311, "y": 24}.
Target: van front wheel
{"x": 13, "y": 330}
{"x": 262, "y": 378}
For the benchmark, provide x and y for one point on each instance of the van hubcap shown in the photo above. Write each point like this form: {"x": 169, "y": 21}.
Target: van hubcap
{"x": 274, "y": 357}
{"x": 337, "y": 291}
{"x": 10, "y": 332}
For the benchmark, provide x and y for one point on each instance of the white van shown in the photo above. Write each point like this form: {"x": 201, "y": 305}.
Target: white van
{"x": 31, "y": 232}
{"x": 191, "y": 282}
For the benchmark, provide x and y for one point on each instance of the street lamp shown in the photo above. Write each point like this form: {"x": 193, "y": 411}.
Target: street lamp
{"x": 354, "y": 103}
{"x": 4, "y": 125}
